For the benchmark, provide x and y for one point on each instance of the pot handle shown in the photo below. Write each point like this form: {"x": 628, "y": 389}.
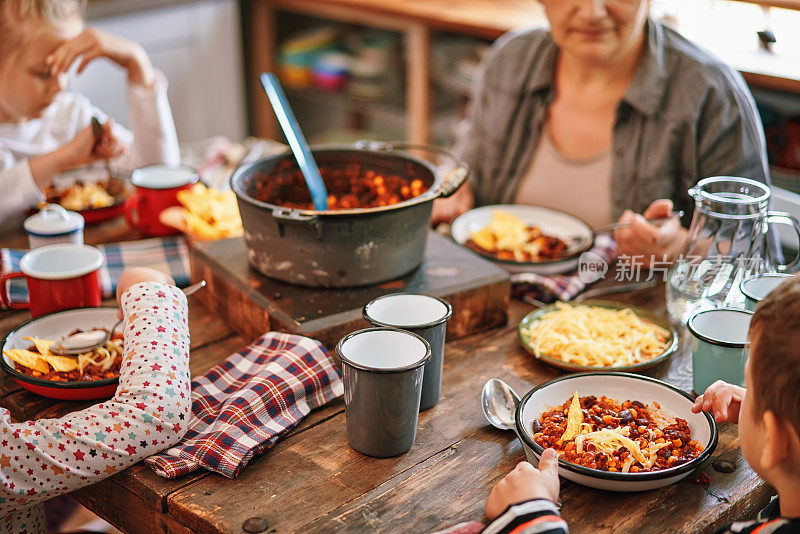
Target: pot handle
{"x": 289, "y": 214}
{"x": 779, "y": 217}
{"x": 449, "y": 185}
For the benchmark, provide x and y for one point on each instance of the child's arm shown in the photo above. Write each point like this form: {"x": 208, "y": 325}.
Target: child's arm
{"x": 22, "y": 182}
{"x": 149, "y": 412}
{"x": 723, "y": 400}
{"x": 155, "y": 139}
{"x": 523, "y": 502}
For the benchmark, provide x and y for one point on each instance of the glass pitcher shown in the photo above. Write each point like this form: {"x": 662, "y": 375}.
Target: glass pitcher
{"x": 727, "y": 242}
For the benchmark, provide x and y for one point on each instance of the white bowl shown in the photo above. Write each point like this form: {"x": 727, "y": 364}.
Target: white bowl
{"x": 572, "y": 230}
{"x": 619, "y": 387}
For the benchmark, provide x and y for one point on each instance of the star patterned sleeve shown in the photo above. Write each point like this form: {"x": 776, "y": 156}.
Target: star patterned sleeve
{"x": 149, "y": 412}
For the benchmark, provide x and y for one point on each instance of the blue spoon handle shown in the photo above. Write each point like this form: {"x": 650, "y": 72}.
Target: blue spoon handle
{"x": 287, "y": 120}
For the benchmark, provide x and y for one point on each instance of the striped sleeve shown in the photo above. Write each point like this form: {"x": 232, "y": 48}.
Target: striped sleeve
{"x": 538, "y": 516}
{"x": 778, "y": 525}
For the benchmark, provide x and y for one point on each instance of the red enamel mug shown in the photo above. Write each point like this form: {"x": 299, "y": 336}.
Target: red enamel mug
{"x": 157, "y": 189}
{"x": 59, "y": 277}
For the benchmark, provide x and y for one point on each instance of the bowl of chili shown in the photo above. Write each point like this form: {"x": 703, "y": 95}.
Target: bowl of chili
{"x": 65, "y": 386}
{"x": 644, "y": 409}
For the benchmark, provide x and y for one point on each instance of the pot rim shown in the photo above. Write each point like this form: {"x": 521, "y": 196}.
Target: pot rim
{"x": 302, "y": 214}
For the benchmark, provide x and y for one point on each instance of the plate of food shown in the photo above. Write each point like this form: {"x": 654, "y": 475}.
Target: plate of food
{"x": 95, "y": 195}
{"x": 597, "y": 335}
{"x": 616, "y": 431}
{"x": 93, "y": 375}
{"x": 524, "y": 238}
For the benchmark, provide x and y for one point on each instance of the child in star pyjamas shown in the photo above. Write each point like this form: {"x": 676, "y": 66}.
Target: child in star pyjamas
{"x": 149, "y": 412}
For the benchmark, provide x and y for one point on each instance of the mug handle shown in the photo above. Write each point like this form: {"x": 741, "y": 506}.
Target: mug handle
{"x": 130, "y": 208}
{"x": 21, "y": 305}
{"x": 779, "y": 217}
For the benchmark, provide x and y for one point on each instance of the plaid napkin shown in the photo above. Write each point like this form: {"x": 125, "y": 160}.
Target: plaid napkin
{"x": 241, "y": 407}
{"x": 166, "y": 254}
{"x": 564, "y": 287}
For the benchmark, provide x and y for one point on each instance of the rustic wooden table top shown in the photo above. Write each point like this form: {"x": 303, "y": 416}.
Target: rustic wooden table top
{"x": 312, "y": 481}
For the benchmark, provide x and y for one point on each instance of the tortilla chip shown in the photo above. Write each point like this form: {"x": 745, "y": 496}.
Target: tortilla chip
{"x": 42, "y": 345}
{"x": 28, "y": 359}
{"x": 61, "y": 363}
{"x": 484, "y": 238}
{"x": 574, "y": 419}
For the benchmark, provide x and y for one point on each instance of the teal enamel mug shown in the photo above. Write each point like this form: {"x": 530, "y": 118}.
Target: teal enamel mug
{"x": 718, "y": 346}
{"x": 756, "y": 287}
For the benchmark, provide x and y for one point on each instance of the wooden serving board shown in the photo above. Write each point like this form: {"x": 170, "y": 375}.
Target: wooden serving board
{"x": 253, "y": 304}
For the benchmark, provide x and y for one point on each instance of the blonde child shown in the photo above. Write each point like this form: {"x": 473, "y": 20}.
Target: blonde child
{"x": 768, "y": 414}
{"x": 45, "y": 130}
{"x": 149, "y": 412}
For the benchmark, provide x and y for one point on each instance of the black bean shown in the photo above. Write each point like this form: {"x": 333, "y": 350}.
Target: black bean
{"x": 638, "y": 404}
{"x": 597, "y": 420}
{"x": 537, "y": 425}
{"x": 642, "y": 422}
{"x": 589, "y": 401}
{"x": 626, "y": 415}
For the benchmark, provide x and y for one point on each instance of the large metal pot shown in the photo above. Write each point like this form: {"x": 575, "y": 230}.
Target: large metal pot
{"x": 350, "y": 247}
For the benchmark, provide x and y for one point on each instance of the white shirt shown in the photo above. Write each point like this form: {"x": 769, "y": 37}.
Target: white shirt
{"x": 153, "y": 140}
{"x": 580, "y": 188}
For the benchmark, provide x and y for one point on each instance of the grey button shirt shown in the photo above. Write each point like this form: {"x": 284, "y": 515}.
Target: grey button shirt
{"x": 685, "y": 116}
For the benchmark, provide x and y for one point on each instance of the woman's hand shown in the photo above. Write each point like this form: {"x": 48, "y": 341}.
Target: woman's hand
{"x": 723, "y": 400}
{"x": 525, "y": 483}
{"x": 644, "y": 242}
{"x": 447, "y": 209}
{"x": 92, "y": 44}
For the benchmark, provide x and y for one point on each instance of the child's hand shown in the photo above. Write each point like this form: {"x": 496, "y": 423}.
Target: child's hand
{"x": 92, "y": 44}
{"x": 525, "y": 483}
{"x": 85, "y": 148}
{"x": 723, "y": 399}
{"x": 137, "y": 275}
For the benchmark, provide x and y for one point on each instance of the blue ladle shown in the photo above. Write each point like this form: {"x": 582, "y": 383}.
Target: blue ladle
{"x": 298, "y": 144}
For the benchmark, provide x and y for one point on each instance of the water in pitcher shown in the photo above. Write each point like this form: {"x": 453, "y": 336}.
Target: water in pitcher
{"x": 693, "y": 288}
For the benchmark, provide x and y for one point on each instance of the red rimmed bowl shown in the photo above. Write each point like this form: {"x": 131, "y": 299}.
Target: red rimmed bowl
{"x": 53, "y": 326}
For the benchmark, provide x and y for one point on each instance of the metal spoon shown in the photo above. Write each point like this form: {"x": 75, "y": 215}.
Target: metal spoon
{"x": 499, "y": 403}
{"x": 97, "y": 129}
{"x": 298, "y": 143}
{"x": 81, "y": 342}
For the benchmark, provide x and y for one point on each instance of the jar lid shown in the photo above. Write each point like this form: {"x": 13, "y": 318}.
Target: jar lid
{"x": 53, "y": 220}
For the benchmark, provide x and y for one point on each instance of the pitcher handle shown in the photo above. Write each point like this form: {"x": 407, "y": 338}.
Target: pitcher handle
{"x": 779, "y": 217}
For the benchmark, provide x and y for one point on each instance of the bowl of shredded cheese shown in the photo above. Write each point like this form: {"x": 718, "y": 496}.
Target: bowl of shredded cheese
{"x": 597, "y": 335}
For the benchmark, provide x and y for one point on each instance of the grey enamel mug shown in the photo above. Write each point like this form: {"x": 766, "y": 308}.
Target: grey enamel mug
{"x": 382, "y": 370}
{"x": 756, "y": 287}
{"x": 423, "y": 315}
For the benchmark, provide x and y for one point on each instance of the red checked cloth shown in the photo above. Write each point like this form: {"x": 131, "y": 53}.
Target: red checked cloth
{"x": 563, "y": 287}
{"x": 241, "y": 407}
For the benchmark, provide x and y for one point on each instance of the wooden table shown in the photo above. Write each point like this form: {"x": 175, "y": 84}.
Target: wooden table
{"x": 312, "y": 481}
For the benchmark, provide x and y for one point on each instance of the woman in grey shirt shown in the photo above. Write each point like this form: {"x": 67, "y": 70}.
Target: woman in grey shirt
{"x": 607, "y": 79}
